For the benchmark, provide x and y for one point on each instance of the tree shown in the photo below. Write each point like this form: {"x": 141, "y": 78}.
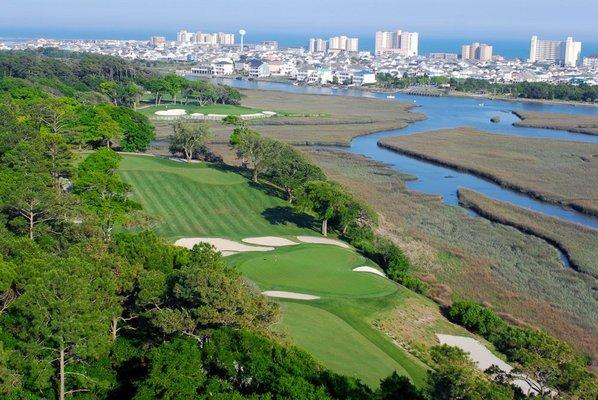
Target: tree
{"x": 255, "y": 149}
{"x": 455, "y": 377}
{"x": 103, "y": 192}
{"x": 158, "y": 87}
{"x": 111, "y": 89}
{"x": 31, "y": 197}
{"x": 98, "y": 127}
{"x": 137, "y": 131}
{"x": 398, "y": 387}
{"x": 325, "y": 199}
{"x": 175, "y": 372}
{"x": 174, "y": 85}
{"x": 206, "y": 294}
{"x": 188, "y": 138}
{"x": 290, "y": 170}
{"x": 64, "y": 316}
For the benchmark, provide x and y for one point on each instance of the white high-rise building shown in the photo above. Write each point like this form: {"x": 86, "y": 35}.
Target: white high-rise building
{"x": 343, "y": 43}
{"x": 555, "y": 51}
{"x": 184, "y": 37}
{"x": 317, "y": 45}
{"x": 404, "y": 43}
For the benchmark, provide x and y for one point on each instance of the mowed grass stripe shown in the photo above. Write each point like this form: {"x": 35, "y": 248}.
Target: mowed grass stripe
{"x": 192, "y": 200}
{"x": 164, "y": 197}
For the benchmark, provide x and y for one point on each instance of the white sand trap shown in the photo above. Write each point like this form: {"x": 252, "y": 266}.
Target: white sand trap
{"x": 289, "y": 295}
{"x": 170, "y": 113}
{"x": 222, "y": 245}
{"x": 322, "y": 240}
{"x": 482, "y": 357}
{"x": 371, "y": 270}
{"x": 273, "y": 241}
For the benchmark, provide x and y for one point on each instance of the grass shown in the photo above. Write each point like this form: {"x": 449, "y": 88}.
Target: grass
{"x": 556, "y": 171}
{"x": 571, "y": 122}
{"x": 338, "y": 328}
{"x": 225, "y": 109}
{"x": 199, "y": 200}
{"x": 315, "y": 119}
{"x": 300, "y": 268}
{"x": 519, "y": 275}
{"x": 579, "y": 243}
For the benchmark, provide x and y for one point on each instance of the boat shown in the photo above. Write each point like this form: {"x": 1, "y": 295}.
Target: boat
{"x": 390, "y": 96}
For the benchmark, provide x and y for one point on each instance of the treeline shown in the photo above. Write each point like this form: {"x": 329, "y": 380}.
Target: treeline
{"x": 544, "y": 362}
{"x": 527, "y": 90}
{"x": 98, "y": 78}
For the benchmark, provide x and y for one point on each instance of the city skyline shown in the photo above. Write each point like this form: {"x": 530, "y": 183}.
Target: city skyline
{"x": 461, "y": 19}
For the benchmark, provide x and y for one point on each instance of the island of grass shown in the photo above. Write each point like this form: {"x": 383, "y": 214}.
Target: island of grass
{"x": 360, "y": 323}
{"x": 314, "y": 119}
{"x": 587, "y": 124}
{"x": 579, "y": 243}
{"x": 555, "y": 171}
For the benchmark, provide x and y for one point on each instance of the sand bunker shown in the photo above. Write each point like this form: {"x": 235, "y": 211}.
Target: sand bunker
{"x": 170, "y": 113}
{"x": 289, "y": 295}
{"x": 223, "y": 245}
{"x": 371, "y": 270}
{"x": 322, "y": 240}
{"x": 482, "y": 357}
{"x": 274, "y": 241}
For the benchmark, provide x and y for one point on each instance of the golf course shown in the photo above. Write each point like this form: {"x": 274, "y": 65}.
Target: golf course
{"x": 331, "y": 296}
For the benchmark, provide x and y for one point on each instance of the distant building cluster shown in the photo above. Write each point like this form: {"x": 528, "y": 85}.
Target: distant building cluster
{"x": 338, "y": 60}
{"x": 565, "y": 53}
{"x": 219, "y": 38}
{"x": 476, "y": 51}
{"x": 336, "y": 43}
{"x": 397, "y": 42}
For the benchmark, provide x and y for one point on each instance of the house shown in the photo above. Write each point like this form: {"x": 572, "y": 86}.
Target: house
{"x": 364, "y": 77}
{"x": 258, "y": 69}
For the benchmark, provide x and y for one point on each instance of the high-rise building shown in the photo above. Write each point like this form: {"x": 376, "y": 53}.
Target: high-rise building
{"x": 343, "y": 43}
{"x": 554, "y": 51}
{"x": 184, "y": 37}
{"x": 317, "y": 45}
{"x": 157, "y": 41}
{"x": 476, "y": 51}
{"x": 591, "y": 61}
{"x": 400, "y": 42}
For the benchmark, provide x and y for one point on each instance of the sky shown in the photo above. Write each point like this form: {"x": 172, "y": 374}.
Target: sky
{"x": 500, "y": 19}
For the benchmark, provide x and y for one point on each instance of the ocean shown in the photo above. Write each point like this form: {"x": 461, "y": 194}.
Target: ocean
{"x": 508, "y": 48}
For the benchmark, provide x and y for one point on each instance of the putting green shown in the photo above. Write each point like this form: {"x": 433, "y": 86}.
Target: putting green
{"x": 322, "y": 270}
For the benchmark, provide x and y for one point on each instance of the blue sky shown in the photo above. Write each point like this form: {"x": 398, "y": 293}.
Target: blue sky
{"x": 456, "y": 18}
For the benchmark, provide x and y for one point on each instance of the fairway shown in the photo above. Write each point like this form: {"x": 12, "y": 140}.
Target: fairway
{"x": 336, "y": 344}
{"x": 337, "y": 328}
{"x": 199, "y": 200}
{"x": 322, "y": 270}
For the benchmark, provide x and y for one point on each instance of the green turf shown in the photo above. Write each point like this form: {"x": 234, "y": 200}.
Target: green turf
{"x": 315, "y": 269}
{"x": 336, "y": 329}
{"x": 336, "y": 344}
{"x": 199, "y": 200}
{"x": 225, "y": 109}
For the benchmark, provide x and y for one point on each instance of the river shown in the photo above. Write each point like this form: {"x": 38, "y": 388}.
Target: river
{"x": 449, "y": 112}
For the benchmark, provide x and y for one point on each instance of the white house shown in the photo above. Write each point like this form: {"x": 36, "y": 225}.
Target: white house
{"x": 364, "y": 77}
{"x": 258, "y": 69}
